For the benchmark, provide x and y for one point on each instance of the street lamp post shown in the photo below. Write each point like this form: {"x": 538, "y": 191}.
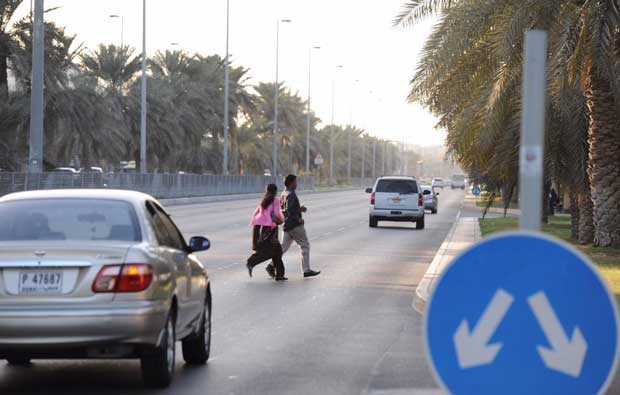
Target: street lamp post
{"x": 36, "y": 93}
{"x": 350, "y": 136}
{"x": 363, "y": 173}
{"x": 122, "y": 18}
{"x": 226, "y": 92}
{"x": 383, "y": 158}
{"x": 143, "y": 107}
{"x": 309, "y": 116}
{"x": 274, "y": 171}
{"x": 374, "y": 158}
{"x": 333, "y": 126}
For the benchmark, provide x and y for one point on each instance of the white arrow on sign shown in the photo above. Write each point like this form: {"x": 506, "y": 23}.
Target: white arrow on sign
{"x": 567, "y": 356}
{"x": 472, "y": 348}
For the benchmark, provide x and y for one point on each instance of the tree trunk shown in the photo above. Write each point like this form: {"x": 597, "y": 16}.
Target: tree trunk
{"x": 546, "y": 211}
{"x": 586, "y": 222}
{"x": 603, "y": 167}
{"x": 4, "y": 66}
{"x": 574, "y": 214}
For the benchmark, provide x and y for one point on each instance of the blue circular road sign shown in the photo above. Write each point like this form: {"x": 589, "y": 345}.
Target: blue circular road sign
{"x": 476, "y": 191}
{"x": 522, "y": 314}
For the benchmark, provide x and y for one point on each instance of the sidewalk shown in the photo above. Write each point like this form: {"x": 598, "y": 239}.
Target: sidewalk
{"x": 464, "y": 233}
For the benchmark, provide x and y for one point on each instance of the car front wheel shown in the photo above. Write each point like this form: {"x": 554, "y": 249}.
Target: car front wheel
{"x": 372, "y": 222}
{"x": 197, "y": 348}
{"x": 158, "y": 367}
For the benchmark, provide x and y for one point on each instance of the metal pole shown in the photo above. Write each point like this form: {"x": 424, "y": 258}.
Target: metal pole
{"x": 349, "y": 154}
{"x": 122, "y": 31}
{"x": 533, "y": 130}
{"x": 143, "y": 108}
{"x": 331, "y": 135}
{"x": 226, "y": 92}
{"x": 363, "y": 174}
{"x": 383, "y": 158}
{"x": 274, "y": 170}
{"x": 309, "y": 116}
{"x": 36, "y": 101}
{"x": 374, "y": 158}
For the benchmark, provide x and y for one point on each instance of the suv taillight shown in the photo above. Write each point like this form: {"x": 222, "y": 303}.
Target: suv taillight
{"x": 123, "y": 278}
{"x": 372, "y": 199}
{"x": 420, "y": 200}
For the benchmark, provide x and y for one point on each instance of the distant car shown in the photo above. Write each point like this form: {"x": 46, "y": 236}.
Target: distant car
{"x": 438, "y": 183}
{"x": 93, "y": 169}
{"x": 397, "y": 199}
{"x": 100, "y": 274}
{"x": 267, "y": 173}
{"x": 457, "y": 181}
{"x": 65, "y": 170}
{"x": 431, "y": 202}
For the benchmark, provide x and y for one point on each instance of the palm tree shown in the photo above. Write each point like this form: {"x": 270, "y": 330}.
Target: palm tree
{"x": 114, "y": 67}
{"x": 470, "y": 74}
{"x": 7, "y": 10}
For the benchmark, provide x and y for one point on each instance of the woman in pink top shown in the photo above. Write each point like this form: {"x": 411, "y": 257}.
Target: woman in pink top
{"x": 265, "y": 241}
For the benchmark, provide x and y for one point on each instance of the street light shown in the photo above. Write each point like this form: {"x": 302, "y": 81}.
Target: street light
{"x": 226, "y": 92}
{"x": 350, "y": 136}
{"x": 309, "y": 101}
{"x": 122, "y": 18}
{"x": 143, "y": 107}
{"x": 36, "y": 91}
{"x": 175, "y": 44}
{"x": 331, "y": 137}
{"x": 274, "y": 170}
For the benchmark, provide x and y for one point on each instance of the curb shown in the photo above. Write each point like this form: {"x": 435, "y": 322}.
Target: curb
{"x": 228, "y": 198}
{"x": 440, "y": 262}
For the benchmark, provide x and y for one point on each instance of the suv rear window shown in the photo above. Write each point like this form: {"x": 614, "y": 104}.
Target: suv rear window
{"x": 404, "y": 187}
{"x": 68, "y": 219}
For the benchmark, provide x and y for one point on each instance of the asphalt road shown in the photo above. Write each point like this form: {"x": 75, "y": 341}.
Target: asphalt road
{"x": 349, "y": 331}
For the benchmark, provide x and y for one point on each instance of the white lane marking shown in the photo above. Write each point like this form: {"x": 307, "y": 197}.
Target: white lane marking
{"x": 342, "y": 229}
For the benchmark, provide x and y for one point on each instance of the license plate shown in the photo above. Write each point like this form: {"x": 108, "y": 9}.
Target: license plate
{"x": 40, "y": 282}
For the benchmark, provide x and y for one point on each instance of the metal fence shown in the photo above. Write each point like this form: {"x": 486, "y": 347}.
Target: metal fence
{"x": 159, "y": 185}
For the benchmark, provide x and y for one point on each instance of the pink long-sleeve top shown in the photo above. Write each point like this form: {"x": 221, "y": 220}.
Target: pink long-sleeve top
{"x": 262, "y": 216}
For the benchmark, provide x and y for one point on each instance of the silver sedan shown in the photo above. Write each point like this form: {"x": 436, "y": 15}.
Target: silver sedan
{"x": 100, "y": 274}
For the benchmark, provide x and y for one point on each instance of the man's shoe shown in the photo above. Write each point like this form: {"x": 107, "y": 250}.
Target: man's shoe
{"x": 271, "y": 271}
{"x": 311, "y": 273}
{"x": 281, "y": 278}
{"x": 250, "y": 268}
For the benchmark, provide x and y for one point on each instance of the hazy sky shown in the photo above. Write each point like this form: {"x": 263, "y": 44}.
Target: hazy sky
{"x": 357, "y": 34}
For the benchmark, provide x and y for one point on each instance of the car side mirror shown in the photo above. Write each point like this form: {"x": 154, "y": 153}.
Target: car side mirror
{"x": 368, "y": 190}
{"x": 198, "y": 244}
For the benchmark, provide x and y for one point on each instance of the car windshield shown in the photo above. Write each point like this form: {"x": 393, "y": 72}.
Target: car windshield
{"x": 458, "y": 178}
{"x": 68, "y": 220}
{"x": 403, "y": 187}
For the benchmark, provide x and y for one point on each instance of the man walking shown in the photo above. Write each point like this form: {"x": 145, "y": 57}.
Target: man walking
{"x": 294, "y": 229}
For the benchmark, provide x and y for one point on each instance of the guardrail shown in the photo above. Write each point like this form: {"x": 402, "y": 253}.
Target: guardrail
{"x": 163, "y": 186}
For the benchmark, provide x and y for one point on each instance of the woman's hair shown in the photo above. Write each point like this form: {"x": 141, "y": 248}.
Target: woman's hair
{"x": 270, "y": 195}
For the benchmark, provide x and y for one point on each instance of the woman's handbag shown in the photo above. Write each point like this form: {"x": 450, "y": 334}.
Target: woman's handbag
{"x": 267, "y": 233}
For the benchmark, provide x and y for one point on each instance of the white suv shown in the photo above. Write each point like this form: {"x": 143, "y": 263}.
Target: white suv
{"x": 397, "y": 199}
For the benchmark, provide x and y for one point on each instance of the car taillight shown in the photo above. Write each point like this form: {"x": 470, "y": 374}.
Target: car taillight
{"x": 420, "y": 200}
{"x": 123, "y": 278}
{"x": 372, "y": 198}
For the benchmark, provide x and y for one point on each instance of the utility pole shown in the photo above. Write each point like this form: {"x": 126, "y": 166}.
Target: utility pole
{"x": 37, "y": 106}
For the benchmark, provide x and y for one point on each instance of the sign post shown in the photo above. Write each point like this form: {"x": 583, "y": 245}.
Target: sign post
{"x": 533, "y": 130}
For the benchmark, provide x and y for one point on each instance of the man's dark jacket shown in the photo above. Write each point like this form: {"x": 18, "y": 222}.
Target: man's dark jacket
{"x": 291, "y": 208}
